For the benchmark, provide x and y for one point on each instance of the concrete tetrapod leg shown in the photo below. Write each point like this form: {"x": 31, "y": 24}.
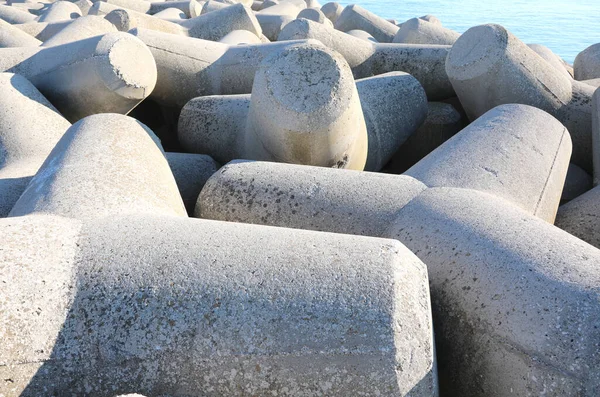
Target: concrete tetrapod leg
{"x": 587, "y": 63}
{"x": 442, "y": 123}
{"x": 361, "y": 34}
{"x": 488, "y": 66}
{"x": 551, "y": 58}
{"x": 332, "y": 10}
{"x": 356, "y": 17}
{"x": 513, "y": 316}
{"x": 213, "y": 5}
{"x": 41, "y": 30}
{"x": 217, "y": 24}
{"x": 425, "y": 62}
{"x": 60, "y": 11}
{"x": 14, "y": 15}
{"x": 110, "y": 73}
{"x": 191, "y": 8}
{"x": 419, "y": 31}
{"x": 11, "y": 36}
{"x": 238, "y": 37}
{"x": 316, "y": 15}
{"x": 188, "y": 67}
{"x": 393, "y": 106}
{"x": 577, "y": 183}
{"x": 137, "y": 19}
{"x": 581, "y": 217}
{"x": 129, "y": 296}
{"x": 280, "y": 122}
{"x": 494, "y": 154}
{"x": 25, "y": 141}
{"x": 81, "y": 28}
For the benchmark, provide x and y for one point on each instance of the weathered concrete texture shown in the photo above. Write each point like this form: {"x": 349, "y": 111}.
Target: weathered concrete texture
{"x": 581, "y": 217}
{"x": 110, "y": 73}
{"x": 419, "y": 31}
{"x": 361, "y": 34}
{"x": 304, "y": 197}
{"x": 551, "y": 58}
{"x": 60, "y": 11}
{"x": 332, "y": 10}
{"x": 188, "y": 67}
{"x": 191, "y": 171}
{"x": 394, "y": 106}
{"x": 87, "y": 177}
{"x": 41, "y": 30}
{"x": 281, "y": 121}
{"x": 162, "y": 305}
{"x": 425, "y": 62}
{"x": 587, "y": 63}
{"x": 217, "y": 24}
{"x": 29, "y": 130}
{"x": 578, "y": 182}
{"x": 497, "y": 152}
{"x": 272, "y": 25}
{"x": 11, "y": 36}
{"x": 84, "y": 6}
{"x": 442, "y": 123}
{"x": 488, "y": 66}
{"x": 191, "y": 8}
{"x": 356, "y": 17}
{"x": 14, "y": 15}
{"x": 213, "y": 5}
{"x": 593, "y": 82}
{"x": 81, "y": 28}
{"x": 137, "y": 19}
{"x": 515, "y": 300}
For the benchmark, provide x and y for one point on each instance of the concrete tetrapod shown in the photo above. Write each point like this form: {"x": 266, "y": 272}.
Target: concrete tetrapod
{"x": 356, "y": 17}
{"x": 587, "y": 63}
{"x": 581, "y": 217}
{"x": 81, "y": 28}
{"x": 60, "y": 11}
{"x": 304, "y": 109}
{"x": 332, "y": 10}
{"x": 135, "y": 19}
{"x": 42, "y": 30}
{"x": 128, "y": 296}
{"x": 577, "y": 183}
{"x": 217, "y": 24}
{"x": 109, "y": 73}
{"x": 361, "y": 34}
{"x": 14, "y": 15}
{"x": 425, "y": 62}
{"x": 494, "y": 154}
{"x": 512, "y": 317}
{"x": 553, "y": 59}
{"x": 25, "y": 141}
{"x": 188, "y": 67}
{"x": 488, "y": 66}
{"x": 420, "y": 31}
{"x": 393, "y": 106}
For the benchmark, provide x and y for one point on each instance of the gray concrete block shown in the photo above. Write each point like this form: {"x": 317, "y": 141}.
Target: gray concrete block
{"x": 11, "y": 36}
{"x": 137, "y": 19}
{"x": 281, "y": 122}
{"x": 110, "y": 73}
{"x": 488, "y": 66}
{"x": 332, "y": 10}
{"x": 577, "y": 182}
{"x": 134, "y": 5}
{"x": 593, "y": 82}
{"x": 361, "y": 34}
{"x": 29, "y": 130}
{"x": 420, "y": 31}
{"x": 237, "y": 37}
{"x": 272, "y": 25}
{"x": 581, "y": 217}
{"x": 191, "y": 171}
{"x": 212, "y": 5}
{"x": 14, "y": 15}
{"x": 356, "y": 17}
{"x": 81, "y": 28}
{"x": 443, "y": 121}
{"x": 60, "y": 11}
{"x": 41, "y": 30}
{"x": 553, "y": 59}
{"x": 171, "y": 14}
{"x": 316, "y": 15}
{"x": 587, "y": 63}
{"x": 425, "y": 62}
{"x": 217, "y": 24}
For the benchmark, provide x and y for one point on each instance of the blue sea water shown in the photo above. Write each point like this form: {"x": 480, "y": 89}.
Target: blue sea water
{"x": 567, "y": 27}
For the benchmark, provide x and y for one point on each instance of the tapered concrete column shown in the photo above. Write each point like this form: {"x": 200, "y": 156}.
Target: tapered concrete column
{"x": 81, "y": 28}
{"x": 587, "y": 63}
{"x": 419, "y": 31}
{"x": 356, "y": 17}
{"x": 11, "y": 36}
{"x": 60, "y": 11}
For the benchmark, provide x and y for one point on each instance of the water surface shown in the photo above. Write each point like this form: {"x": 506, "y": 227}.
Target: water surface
{"x": 565, "y": 26}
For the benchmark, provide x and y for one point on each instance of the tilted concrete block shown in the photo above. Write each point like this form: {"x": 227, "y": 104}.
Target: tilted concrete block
{"x": 29, "y": 130}
{"x": 136, "y": 19}
{"x": 217, "y": 24}
{"x": 356, "y": 17}
{"x": 11, "y": 36}
{"x": 125, "y": 289}
{"x": 14, "y": 15}
{"x": 316, "y": 15}
{"x": 553, "y": 59}
{"x": 587, "y": 63}
{"x": 425, "y": 62}
{"x": 191, "y": 8}
{"x": 212, "y": 5}
{"x": 171, "y": 15}
{"x": 109, "y": 73}
{"x": 488, "y": 66}
{"x": 420, "y": 31}
{"x": 188, "y": 67}
{"x": 238, "y": 37}
{"x": 332, "y": 10}
{"x": 42, "y": 31}
{"x": 60, "y": 11}
{"x": 361, "y": 34}
{"x": 282, "y": 121}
